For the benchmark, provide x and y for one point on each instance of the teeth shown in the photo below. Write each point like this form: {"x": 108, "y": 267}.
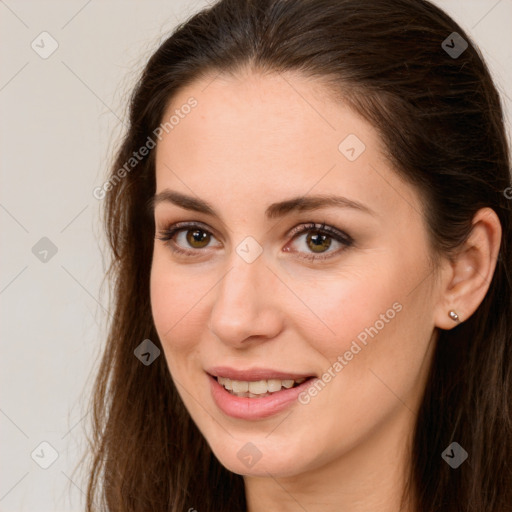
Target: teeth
{"x": 257, "y": 389}
{"x": 240, "y": 386}
{"x": 274, "y": 385}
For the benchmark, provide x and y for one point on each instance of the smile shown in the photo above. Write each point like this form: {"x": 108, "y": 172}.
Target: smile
{"x": 259, "y": 388}
{"x": 255, "y": 394}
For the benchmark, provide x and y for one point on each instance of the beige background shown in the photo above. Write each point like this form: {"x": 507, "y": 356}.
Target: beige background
{"x": 60, "y": 118}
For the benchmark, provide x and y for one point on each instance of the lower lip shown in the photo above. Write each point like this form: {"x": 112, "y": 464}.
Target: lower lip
{"x": 255, "y": 408}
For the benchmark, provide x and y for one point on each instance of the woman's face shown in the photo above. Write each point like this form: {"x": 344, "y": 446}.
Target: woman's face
{"x": 245, "y": 301}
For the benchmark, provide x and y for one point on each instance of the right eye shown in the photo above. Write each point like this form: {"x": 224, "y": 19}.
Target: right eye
{"x": 186, "y": 237}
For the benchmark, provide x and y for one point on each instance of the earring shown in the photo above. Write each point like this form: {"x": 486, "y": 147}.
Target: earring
{"x": 454, "y": 316}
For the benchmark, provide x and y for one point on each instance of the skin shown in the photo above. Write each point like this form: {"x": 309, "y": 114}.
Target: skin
{"x": 253, "y": 140}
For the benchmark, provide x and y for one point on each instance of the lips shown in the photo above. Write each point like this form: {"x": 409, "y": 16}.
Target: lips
{"x": 247, "y": 405}
{"x": 255, "y": 374}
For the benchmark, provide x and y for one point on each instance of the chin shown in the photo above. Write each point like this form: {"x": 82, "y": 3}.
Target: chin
{"x": 260, "y": 457}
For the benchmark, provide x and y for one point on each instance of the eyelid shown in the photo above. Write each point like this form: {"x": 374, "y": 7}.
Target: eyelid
{"x": 184, "y": 225}
{"x": 323, "y": 227}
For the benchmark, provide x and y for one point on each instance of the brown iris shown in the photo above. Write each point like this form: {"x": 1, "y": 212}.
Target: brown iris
{"x": 197, "y": 238}
{"x": 319, "y": 242}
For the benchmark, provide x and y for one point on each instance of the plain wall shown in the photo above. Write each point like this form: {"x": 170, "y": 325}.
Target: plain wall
{"x": 60, "y": 120}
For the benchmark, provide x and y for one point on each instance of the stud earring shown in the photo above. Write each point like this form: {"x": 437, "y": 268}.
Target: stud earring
{"x": 454, "y": 316}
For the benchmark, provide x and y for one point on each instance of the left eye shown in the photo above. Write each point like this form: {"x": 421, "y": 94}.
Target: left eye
{"x": 318, "y": 238}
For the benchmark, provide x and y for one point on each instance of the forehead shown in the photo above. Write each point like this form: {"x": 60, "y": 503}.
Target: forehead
{"x": 273, "y": 135}
{"x": 272, "y": 116}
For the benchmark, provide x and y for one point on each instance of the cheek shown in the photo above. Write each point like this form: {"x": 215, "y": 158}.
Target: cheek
{"x": 348, "y": 307}
{"x": 373, "y": 341}
{"x": 175, "y": 303}
{"x": 379, "y": 343}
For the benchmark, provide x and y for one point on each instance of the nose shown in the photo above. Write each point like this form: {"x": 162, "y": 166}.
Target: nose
{"x": 245, "y": 309}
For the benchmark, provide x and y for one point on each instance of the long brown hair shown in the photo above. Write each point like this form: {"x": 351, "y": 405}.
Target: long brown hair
{"x": 441, "y": 120}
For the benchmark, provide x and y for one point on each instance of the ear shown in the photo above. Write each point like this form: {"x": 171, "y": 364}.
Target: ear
{"x": 466, "y": 278}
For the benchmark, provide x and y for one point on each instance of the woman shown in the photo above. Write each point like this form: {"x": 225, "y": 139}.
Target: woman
{"x": 310, "y": 222}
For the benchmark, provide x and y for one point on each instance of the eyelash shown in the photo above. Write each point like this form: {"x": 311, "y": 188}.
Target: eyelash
{"x": 166, "y": 235}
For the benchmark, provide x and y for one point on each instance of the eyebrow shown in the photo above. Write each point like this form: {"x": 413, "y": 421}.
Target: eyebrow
{"x": 275, "y": 210}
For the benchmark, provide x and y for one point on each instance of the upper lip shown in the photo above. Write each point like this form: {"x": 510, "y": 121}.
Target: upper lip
{"x": 254, "y": 374}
